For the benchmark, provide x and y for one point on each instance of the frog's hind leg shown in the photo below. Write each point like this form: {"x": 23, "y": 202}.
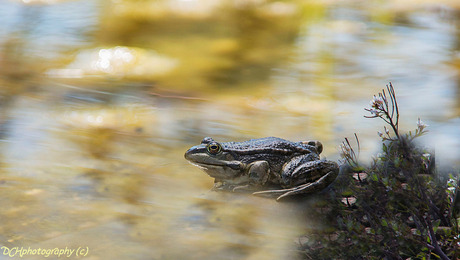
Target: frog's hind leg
{"x": 311, "y": 187}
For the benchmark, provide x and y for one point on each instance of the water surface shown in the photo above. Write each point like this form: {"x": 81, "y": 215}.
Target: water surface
{"x": 100, "y": 100}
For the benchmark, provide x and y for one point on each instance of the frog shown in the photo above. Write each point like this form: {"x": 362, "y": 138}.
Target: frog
{"x": 265, "y": 166}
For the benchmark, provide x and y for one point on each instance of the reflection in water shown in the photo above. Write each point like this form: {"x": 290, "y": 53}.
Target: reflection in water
{"x": 100, "y": 100}
{"x": 231, "y": 53}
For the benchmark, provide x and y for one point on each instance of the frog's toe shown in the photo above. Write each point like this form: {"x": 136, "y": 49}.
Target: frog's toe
{"x": 289, "y": 193}
{"x": 281, "y": 193}
{"x": 316, "y": 186}
{"x": 272, "y": 192}
{"x": 302, "y": 189}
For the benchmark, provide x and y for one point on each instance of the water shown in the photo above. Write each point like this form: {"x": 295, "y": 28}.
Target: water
{"x": 100, "y": 100}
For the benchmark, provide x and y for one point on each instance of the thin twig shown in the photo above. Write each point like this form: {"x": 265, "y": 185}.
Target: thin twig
{"x": 357, "y": 142}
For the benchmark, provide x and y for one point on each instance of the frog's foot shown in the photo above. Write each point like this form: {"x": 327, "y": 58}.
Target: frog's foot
{"x": 222, "y": 186}
{"x": 306, "y": 188}
{"x": 219, "y": 186}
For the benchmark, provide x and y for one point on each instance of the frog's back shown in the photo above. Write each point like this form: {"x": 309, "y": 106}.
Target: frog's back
{"x": 263, "y": 144}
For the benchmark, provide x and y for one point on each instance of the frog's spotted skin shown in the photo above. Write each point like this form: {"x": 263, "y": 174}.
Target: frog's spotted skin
{"x": 257, "y": 163}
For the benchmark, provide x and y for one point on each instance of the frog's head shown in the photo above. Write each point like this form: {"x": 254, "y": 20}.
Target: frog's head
{"x": 212, "y": 158}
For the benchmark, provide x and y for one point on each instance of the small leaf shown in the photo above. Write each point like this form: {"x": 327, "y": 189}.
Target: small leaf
{"x": 397, "y": 162}
{"x": 436, "y": 224}
{"x": 374, "y": 177}
{"x": 384, "y": 223}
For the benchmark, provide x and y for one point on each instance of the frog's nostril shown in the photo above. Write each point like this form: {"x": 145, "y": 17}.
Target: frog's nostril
{"x": 187, "y": 154}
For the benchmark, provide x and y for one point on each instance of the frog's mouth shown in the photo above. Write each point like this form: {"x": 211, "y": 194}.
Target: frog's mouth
{"x": 206, "y": 166}
{"x": 224, "y": 170}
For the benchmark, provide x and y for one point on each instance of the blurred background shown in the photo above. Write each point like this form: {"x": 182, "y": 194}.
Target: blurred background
{"x": 100, "y": 99}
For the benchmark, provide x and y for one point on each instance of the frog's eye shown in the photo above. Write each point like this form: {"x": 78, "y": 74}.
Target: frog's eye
{"x": 214, "y": 148}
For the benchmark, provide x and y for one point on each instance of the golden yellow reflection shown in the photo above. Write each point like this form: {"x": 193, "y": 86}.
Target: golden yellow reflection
{"x": 99, "y": 100}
